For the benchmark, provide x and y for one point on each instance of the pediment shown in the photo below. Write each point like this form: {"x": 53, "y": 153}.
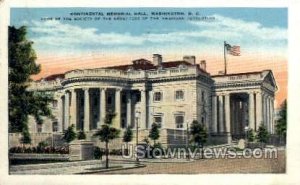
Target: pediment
{"x": 270, "y": 80}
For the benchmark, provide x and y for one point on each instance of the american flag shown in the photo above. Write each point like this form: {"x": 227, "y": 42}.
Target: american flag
{"x": 233, "y": 50}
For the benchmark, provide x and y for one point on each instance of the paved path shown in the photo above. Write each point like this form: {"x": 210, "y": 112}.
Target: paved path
{"x": 212, "y": 166}
{"x": 65, "y": 168}
{"x": 154, "y": 166}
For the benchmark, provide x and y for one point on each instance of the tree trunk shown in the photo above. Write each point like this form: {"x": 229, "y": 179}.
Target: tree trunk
{"x": 127, "y": 153}
{"x": 106, "y": 154}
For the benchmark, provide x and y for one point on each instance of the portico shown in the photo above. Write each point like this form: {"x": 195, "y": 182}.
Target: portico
{"x": 241, "y": 101}
{"x": 86, "y": 107}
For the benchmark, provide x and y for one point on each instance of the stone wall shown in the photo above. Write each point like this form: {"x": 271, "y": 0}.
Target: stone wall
{"x": 81, "y": 150}
{"x": 168, "y": 107}
{"x": 53, "y": 139}
{"x": 168, "y": 138}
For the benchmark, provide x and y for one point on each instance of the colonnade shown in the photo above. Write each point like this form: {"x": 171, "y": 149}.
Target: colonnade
{"x": 256, "y": 109}
{"x": 68, "y": 107}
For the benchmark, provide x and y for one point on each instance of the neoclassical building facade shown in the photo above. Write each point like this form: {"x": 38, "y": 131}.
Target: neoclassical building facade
{"x": 171, "y": 94}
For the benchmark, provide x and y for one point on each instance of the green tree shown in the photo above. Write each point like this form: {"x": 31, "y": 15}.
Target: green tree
{"x": 250, "y": 135}
{"x": 69, "y": 134}
{"x": 282, "y": 122}
{"x": 107, "y": 133}
{"x": 154, "y": 132}
{"x": 199, "y": 134}
{"x": 22, "y": 102}
{"x": 26, "y": 139}
{"x": 127, "y": 137}
{"x": 262, "y": 134}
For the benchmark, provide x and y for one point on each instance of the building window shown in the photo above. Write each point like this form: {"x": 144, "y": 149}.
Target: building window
{"x": 179, "y": 95}
{"x": 124, "y": 99}
{"x": 179, "y": 120}
{"x": 158, "y": 120}
{"x": 203, "y": 96}
{"x": 54, "y": 103}
{"x": 123, "y": 123}
{"x": 39, "y": 128}
{"x": 81, "y": 102}
{"x": 157, "y": 96}
{"x": 109, "y": 100}
{"x": 95, "y": 101}
{"x": 55, "y": 126}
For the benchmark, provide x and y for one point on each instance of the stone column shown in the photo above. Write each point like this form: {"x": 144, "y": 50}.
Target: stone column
{"x": 264, "y": 110}
{"x": 117, "y": 122}
{"x": 233, "y": 116}
{"x": 128, "y": 109}
{"x": 60, "y": 114}
{"x": 227, "y": 113}
{"x": 67, "y": 110}
{"x": 102, "y": 105}
{"x": 244, "y": 116}
{"x": 143, "y": 120}
{"x": 221, "y": 114}
{"x": 86, "y": 125}
{"x": 269, "y": 114}
{"x": 251, "y": 110}
{"x": 258, "y": 110}
{"x": 74, "y": 107}
{"x": 237, "y": 122}
{"x": 272, "y": 115}
{"x": 214, "y": 114}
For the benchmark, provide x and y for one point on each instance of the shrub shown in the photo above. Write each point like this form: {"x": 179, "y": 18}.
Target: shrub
{"x": 262, "y": 134}
{"x": 38, "y": 149}
{"x": 69, "y": 134}
{"x": 81, "y": 135}
{"x": 250, "y": 135}
{"x": 115, "y": 152}
{"x": 98, "y": 153}
{"x": 26, "y": 139}
{"x": 154, "y": 132}
{"x": 43, "y": 144}
{"x": 158, "y": 146}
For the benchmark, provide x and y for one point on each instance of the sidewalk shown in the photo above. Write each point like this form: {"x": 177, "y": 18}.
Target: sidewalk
{"x": 64, "y": 168}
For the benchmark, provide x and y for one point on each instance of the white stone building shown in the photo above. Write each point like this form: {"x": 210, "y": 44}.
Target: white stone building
{"x": 172, "y": 94}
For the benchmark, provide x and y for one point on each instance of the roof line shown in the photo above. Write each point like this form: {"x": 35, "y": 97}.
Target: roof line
{"x": 232, "y": 74}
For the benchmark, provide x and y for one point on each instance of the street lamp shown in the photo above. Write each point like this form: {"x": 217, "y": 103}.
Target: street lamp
{"x": 137, "y": 116}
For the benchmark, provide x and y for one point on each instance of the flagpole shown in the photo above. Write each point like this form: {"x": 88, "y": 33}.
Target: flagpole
{"x": 225, "y": 62}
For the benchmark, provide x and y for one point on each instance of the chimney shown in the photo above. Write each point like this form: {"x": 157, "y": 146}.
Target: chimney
{"x": 190, "y": 59}
{"x": 203, "y": 65}
{"x": 157, "y": 59}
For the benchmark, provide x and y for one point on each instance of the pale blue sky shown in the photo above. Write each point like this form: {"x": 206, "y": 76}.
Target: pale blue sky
{"x": 254, "y": 29}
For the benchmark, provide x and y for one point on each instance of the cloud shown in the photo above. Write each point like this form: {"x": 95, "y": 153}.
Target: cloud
{"x": 54, "y": 35}
{"x": 228, "y": 27}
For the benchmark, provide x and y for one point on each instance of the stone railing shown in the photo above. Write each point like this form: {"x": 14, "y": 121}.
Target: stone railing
{"x": 113, "y": 73}
{"x": 105, "y": 73}
{"x": 234, "y": 78}
{"x": 172, "y": 72}
{"x": 45, "y": 85}
{"x": 51, "y": 138}
{"x": 132, "y": 74}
